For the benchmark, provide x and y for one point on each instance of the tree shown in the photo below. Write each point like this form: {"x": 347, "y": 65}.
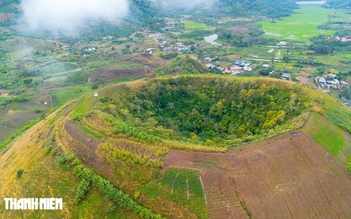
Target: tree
{"x": 286, "y": 59}
{"x": 322, "y": 49}
{"x": 19, "y": 173}
{"x": 192, "y": 48}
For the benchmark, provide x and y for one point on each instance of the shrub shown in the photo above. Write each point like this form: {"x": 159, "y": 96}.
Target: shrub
{"x": 48, "y": 149}
{"x": 19, "y": 173}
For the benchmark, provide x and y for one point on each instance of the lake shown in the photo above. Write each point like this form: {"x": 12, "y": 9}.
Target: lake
{"x": 211, "y": 39}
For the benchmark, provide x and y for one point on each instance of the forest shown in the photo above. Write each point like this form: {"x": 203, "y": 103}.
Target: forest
{"x": 208, "y": 111}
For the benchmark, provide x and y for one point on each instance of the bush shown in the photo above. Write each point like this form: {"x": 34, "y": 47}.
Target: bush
{"x": 48, "y": 149}
{"x": 78, "y": 117}
{"x": 19, "y": 173}
{"x": 61, "y": 160}
{"x": 104, "y": 99}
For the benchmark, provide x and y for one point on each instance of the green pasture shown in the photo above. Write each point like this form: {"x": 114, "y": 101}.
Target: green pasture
{"x": 328, "y": 135}
{"x": 278, "y": 64}
{"x": 251, "y": 52}
{"x": 63, "y": 95}
{"x": 299, "y": 26}
{"x": 193, "y": 25}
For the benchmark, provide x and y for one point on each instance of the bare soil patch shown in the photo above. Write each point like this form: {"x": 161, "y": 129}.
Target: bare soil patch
{"x": 11, "y": 112}
{"x": 80, "y": 136}
{"x": 285, "y": 177}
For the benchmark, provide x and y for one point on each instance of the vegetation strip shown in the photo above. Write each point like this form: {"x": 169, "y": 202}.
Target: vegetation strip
{"x": 106, "y": 188}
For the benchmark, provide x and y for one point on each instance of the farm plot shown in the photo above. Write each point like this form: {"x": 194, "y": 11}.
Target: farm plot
{"x": 182, "y": 186}
{"x": 193, "y": 25}
{"x": 287, "y": 177}
{"x": 299, "y": 26}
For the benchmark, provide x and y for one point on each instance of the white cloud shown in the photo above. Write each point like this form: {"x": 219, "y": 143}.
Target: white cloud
{"x": 67, "y": 15}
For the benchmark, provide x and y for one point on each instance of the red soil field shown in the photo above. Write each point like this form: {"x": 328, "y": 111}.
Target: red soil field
{"x": 286, "y": 177}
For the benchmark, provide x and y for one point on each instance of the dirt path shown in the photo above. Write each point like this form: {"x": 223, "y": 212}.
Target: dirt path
{"x": 285, "y": 177}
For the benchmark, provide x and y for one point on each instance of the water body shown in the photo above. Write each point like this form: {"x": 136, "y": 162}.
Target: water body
{"x": 311, "y": 2}
{"x": 211, "y": 39}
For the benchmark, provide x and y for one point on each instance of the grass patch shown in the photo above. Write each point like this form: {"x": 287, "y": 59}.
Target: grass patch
{"x": 194, "y": 25}
{"x": 295, "y": 27}
{"x": 90, "y": 132}
{"x": 327, "y": 135}
{"x": 182, "y": 186}
{"x": 64, "y": 95}
{"x": 279, "y": 64}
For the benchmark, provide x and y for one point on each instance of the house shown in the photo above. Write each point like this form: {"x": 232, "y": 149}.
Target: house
{"x": 149, "y": 50}
{"x": 242, "y": 64}
{"x": 209, "y": 65}
{"x": 227, "y": 71}
{"x": 265, "y": 65}
{"x": 92, "y": 49}
{"x": 336, "y": 81}
{"x": 286, "y": 76}
{"x": 344, "y": 83}
{"x": 282, "y": 43}
{"x": 185, "y": 50}
{"x": 247, "y": 68}
{"x": 167, "y": 49}
{"x": 332, "y": 75}
{"x": 109, "y": 38}
{"x": 159, "y": 37}
{"x": 66, "y": 48}
{"x": 179, "y": 44}
{"x": 235, "y": 68}
{"x": 346, "y": 39}
{"x": 322, "y": 80}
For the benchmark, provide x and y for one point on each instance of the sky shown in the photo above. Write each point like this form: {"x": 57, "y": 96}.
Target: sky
{"x": 66, "y": 15}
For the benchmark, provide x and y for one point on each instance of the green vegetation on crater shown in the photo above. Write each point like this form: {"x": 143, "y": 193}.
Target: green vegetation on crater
{"x": 211, "y": 111}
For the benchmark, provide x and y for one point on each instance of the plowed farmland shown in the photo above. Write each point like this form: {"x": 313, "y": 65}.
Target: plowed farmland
{"x": 286, "y": 177}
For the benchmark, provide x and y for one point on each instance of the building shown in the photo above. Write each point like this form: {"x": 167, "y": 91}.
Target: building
{"x": 242, "y": 64}
{"x": 332, "y": 75}
{"x": 209, "y": 65}
{"x": 322, "y": 82}
{"x": 282, "y": 43}
{"x": 344, "y": 83}
{"x": 179, "y": 44}
{"x": 150, "y": 50}
{"x": 286, "y": 76}
{"x": 227, "y": 71}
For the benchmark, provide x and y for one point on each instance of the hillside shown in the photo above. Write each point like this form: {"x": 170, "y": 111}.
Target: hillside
{"x": 337, "y": 4}
{"x": 120, "y": 155}
{"x": 233, "y": 8}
